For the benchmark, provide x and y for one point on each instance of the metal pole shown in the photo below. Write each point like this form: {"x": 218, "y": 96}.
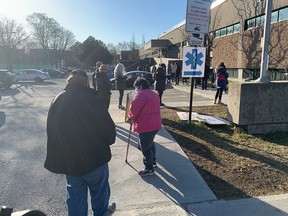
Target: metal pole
{"x": 191, "y": 97}
{"x": 266, "y": 38}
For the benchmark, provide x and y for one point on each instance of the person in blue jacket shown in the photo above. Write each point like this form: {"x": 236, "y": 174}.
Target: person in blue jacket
{"x": 221, "y": 82}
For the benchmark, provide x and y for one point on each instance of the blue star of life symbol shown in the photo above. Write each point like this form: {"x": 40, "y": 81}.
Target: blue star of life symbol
{"x": 194, "y": 58}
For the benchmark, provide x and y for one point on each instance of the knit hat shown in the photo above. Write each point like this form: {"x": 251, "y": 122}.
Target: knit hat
{"x": 103, "y": 68}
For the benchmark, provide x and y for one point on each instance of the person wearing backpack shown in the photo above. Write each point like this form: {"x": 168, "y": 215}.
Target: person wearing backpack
{"x": 221, "y": 82}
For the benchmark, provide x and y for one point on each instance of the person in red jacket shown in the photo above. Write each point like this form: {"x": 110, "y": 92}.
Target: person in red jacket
{"x": 146, "y": 121}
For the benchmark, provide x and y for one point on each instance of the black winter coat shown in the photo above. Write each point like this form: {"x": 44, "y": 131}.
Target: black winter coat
{"x": 120, "y": 82}
{"x": 103, "y": 85}
{"x": 80, "y": 132}
{"x": 160, "y": 79}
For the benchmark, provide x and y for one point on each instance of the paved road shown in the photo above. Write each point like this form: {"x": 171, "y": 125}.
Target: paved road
{"x": 23, "y": 112}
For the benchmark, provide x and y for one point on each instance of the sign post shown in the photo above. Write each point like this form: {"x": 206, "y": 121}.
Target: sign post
{"x": 193, "y": 66}
{"x": 197, "y": 23}
{"x": 198, "y": 16}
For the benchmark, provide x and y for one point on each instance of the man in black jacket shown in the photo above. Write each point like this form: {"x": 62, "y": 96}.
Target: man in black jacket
{"x": 80, "y": 131}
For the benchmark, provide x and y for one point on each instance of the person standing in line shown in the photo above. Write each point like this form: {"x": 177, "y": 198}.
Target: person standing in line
{"x": 160, "y": 81}
{"x": 120, "y": 79}
{"x": 103, "y": 85}
{"x": 221, "y": 81}
{"x": 79, "y": 134}
{"x": 168, "y": 74}
{"x": 173, "y": 71}
{"x": 178, "y": 74}
{"x": 146, "y": 121}
{"x": 98, "y": 64}
{"x": 204, "y": 79}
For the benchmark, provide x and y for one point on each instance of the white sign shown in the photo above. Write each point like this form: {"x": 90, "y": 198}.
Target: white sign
{"x": 196, "y": 39}
{"x": 211, "y": 120}
{"x": 193, "y": 61}
{"x": 198, "y": 16}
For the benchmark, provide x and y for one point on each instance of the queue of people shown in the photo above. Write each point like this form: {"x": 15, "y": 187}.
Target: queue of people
{"x": 80, "y": 131}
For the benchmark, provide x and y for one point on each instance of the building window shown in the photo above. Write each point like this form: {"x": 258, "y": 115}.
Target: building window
{"x": 230, "y": 30}
{"x": 217, "y": 33}
{"x": 227, "y": 30}
{"x": 237, "y": 28}
{"x": 283, "y": 14}
{"x": 250, "y": 23}
{"x": 274, "y": 16}
{"x": 260, "y": 21}
{"x": 223, "y": 31}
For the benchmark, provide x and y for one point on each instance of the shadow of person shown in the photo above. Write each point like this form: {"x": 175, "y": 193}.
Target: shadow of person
{"x": 2, "y": 118}
{"x": 123, "y": 134}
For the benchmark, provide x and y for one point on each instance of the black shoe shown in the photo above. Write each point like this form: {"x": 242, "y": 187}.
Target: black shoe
{"x": 146, "y": 172}
{"x": 162, "y": 104}
{"x": 155, "y": 165}
{"x": 111, "y": 209}
{"x": 121, "y": 107}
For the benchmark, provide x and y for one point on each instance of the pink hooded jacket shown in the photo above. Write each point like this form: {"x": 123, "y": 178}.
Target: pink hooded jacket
{"x": 145, "y": 111}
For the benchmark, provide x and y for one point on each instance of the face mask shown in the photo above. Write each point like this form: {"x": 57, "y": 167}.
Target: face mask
{"x": 137, "y": 90}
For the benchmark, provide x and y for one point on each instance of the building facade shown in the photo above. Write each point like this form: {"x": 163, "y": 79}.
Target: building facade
{"x": 236, "y": 29}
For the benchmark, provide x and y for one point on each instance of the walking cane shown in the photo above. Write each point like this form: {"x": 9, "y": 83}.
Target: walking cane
{"x": 128, "y": 143}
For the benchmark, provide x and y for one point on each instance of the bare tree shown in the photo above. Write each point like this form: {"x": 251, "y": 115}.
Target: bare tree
{"x": 12, "y": 36}
{"x": 51, "y": 36}
{"x": 249, "y": 41}
{"x": 45, "y": 31}
{"x": 63, "y": 42}
{"x": 115, "y": 53}
{"x": 131, "y": 46}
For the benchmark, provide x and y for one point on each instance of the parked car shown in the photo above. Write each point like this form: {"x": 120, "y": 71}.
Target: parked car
{"x": 54, "y": 73}
{"x": 131, "y": 76}
{"x": 32, "y": 75}
{"x": 6, "y": 79}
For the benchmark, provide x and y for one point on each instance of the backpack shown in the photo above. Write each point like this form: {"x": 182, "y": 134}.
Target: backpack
{"x": 221, "y": 76}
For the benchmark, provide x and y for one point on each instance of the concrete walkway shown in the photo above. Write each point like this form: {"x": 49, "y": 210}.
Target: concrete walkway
{"x": 177, "y": 188}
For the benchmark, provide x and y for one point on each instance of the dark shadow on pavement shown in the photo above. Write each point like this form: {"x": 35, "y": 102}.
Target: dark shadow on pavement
{"x": 32, "y": 83}
{"x": 177, "y": 185}
{"x": 9, "y": 92}
{"x": 123, "y": 134}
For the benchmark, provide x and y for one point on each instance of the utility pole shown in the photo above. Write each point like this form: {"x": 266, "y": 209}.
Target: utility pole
{"x": 266, "y": 39}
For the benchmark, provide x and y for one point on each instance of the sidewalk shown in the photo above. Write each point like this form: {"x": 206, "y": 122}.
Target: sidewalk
{"x": 209, "y": 93}
{"x": 177, "y": 188}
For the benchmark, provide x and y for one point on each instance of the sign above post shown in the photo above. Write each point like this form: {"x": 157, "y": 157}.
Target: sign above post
{"x": 196, "y": 39}
{"x": 193, "y": 61}
{"x": 198, "y": 16}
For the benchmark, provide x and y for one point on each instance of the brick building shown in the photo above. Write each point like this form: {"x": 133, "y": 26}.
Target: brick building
{"x": 236, "y": 29}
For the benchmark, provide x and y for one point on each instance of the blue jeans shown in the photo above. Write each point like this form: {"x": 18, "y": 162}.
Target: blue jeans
{"x": 77, "y": 187}
{"x": 148, "y": 148}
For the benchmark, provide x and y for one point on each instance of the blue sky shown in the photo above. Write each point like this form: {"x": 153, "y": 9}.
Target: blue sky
{"x": 110, "y": 21}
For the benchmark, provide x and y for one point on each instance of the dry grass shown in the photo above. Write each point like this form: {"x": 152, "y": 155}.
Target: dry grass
{"x": 233, "y": 163}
